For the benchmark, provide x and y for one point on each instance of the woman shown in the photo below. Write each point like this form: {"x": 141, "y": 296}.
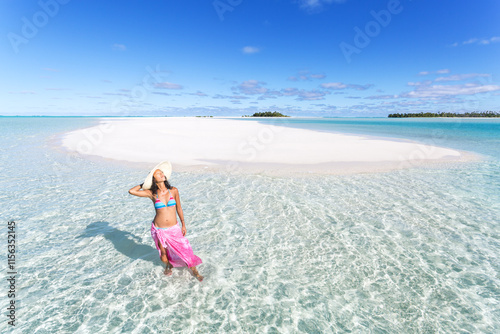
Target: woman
{"x": 169, "y": 238}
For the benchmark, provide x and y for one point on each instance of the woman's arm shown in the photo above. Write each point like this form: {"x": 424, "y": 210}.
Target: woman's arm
{"x": 136, "y": 191}
{"x": 179, "y": 210}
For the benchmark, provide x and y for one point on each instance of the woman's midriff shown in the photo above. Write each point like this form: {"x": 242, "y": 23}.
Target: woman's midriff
{"x": 164, "y": 219}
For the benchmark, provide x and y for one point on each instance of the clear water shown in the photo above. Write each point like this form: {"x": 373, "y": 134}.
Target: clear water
{"x": 410, "y": 251}
{"x": 471, "y": 134}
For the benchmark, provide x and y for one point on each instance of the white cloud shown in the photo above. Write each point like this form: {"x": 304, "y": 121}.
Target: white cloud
{"x": 478, "y": 41}
{"x": 199, "y": 93}
{"x": 312, "y": 95}
{"x": 316, "y": 5}
{"x": 340, "y": 85}
{"x": 250, "y": 49}
{"x": 420, "y": 83}
{"x": 470, "y": 41}
{"x": 232, "y": 97}
{"x": 119, "y": 47}
{"x": 23, "y": 92}
{"x": 167, "y": 85}
{"x": 251, "y": 87}
{"x": 255, "y": 87}
{"x": 428, "y": 90}
{"x": 334, "y": 85}
{"x": 458, "y": 77}
{"x": 318, "y": 76}
{"x": 381, "y": 97}
{"x": 443, "y": 71}
{"x": 306, "y": 76}
{"x": 449, "y": 90}
{"x": 116, "y": 94}
{"x": 303, "y": 95}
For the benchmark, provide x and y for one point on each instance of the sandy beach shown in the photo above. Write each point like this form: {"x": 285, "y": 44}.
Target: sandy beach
{"x": 192, "y": 143}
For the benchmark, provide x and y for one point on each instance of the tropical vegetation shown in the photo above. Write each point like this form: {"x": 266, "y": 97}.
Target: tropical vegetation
{"x": 448, "y": 114}
{"x": 267, "y": 114}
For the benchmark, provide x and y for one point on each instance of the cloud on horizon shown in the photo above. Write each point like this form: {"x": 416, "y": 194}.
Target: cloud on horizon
{"x": 478, "y": 41}
{"x": 255, "y": 87}
{"x": 340, "y": 85}
{"x": 428, "y": 91}
{"x": 199, "y": 93}
{"x": 232, "y": 97}
{"x": 440, "y": 89}
{"x": 381, "y": 97}
{"x": 167, "y": 85}
{"x": 433, "y": 91}
{"x": 23, "y": 92}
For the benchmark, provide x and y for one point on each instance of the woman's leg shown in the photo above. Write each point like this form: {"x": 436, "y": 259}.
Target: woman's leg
{"x": 196, "y": 274}
{"x": 164, "y": 259}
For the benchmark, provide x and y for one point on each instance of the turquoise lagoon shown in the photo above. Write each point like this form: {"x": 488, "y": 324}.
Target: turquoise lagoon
{"x": 407, "y": 251}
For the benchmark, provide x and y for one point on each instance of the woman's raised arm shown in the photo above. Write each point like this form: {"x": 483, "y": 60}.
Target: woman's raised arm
{"x": 136, "y": 191}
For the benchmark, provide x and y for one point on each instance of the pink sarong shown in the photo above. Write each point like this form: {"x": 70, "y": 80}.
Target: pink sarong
{"x": 176, "y": 245}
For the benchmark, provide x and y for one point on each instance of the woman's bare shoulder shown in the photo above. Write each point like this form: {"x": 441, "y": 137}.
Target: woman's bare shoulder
{"x": 175, "y": 191}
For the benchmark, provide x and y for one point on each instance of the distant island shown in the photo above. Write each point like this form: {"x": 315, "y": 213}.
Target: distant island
{"x": 448, "y": 114}
{"x": 267, "y": 114}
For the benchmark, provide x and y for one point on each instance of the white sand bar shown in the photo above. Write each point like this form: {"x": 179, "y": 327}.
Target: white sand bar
{"x": 193, "y": 143}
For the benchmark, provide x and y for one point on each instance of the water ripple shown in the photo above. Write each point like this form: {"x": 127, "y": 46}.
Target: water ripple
{"x": 411, "y": 251}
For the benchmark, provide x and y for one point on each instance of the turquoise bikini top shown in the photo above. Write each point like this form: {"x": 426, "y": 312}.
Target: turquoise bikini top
{"x": 159, "y": 204}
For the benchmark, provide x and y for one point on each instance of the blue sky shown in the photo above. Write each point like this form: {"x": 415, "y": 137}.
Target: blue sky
{"x": 236, "y": 57}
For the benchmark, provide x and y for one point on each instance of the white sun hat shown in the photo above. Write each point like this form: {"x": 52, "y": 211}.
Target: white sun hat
{"x": 165, "y": 167}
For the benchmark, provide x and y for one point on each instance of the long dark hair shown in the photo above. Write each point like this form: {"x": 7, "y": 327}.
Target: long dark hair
{"x": 154, "y": 187}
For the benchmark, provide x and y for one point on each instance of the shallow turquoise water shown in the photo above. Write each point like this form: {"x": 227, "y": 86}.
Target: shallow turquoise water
{"x": 475, "y": 134}
{"x": 410, "y": 251}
